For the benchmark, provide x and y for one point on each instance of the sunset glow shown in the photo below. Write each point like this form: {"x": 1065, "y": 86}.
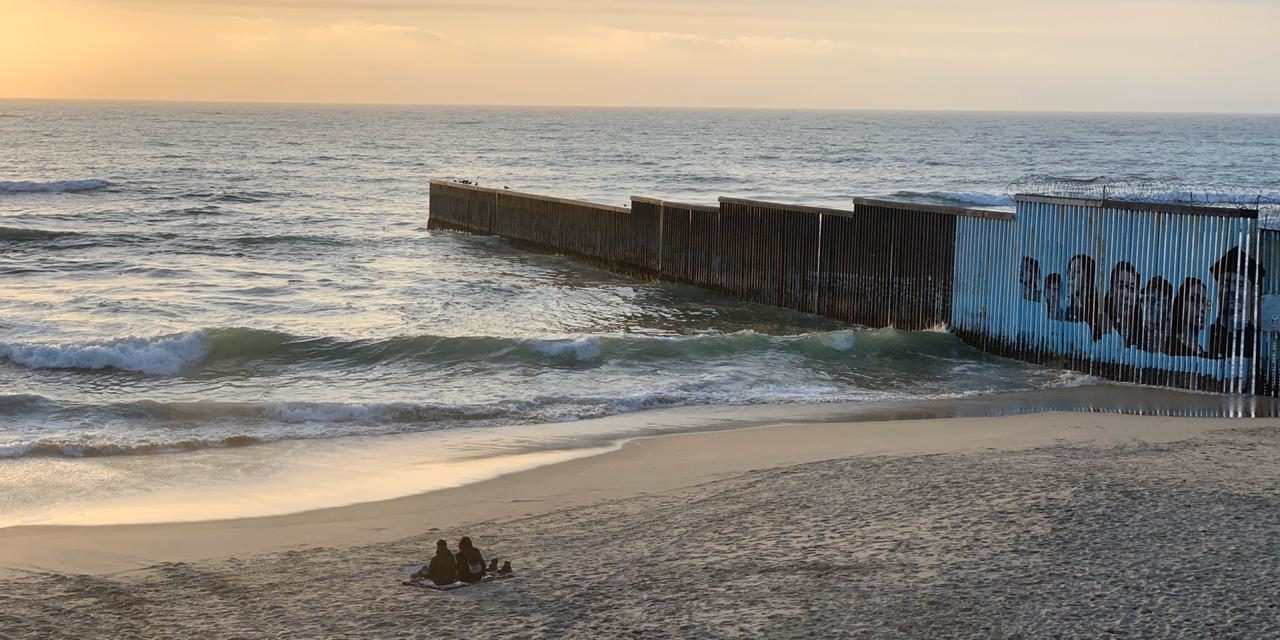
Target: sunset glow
{"x": 1188, "y": 55}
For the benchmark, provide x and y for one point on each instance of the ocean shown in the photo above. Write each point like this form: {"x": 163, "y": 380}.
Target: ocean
{"x": 178, "y": 278}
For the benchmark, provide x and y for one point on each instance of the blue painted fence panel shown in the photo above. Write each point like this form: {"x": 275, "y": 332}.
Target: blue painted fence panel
{"x": 1130, "y": 293}
{"x": 1268, "y": 368}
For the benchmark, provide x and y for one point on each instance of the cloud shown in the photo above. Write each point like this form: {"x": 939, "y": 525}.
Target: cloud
{"x": 627, "y": 44}
{"x": 784, "y": 45}
{"x": 361, "y": 33}
{"x": 619, "y": 7}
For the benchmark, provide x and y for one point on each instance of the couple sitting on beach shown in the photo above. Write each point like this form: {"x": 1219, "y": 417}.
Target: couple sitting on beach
{"x": 465, "y": 566}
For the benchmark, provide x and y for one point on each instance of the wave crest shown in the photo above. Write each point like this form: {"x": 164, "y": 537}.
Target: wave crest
{"x": 158, "y": 356}
{"x": 172, "y": 354}
{"x": 955, "y": 198}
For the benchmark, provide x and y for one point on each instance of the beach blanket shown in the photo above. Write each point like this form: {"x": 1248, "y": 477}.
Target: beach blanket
{"x": 423, "y": 583}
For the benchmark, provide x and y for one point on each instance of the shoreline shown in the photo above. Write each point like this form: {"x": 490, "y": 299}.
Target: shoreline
{"x": 290, "y": 477}
{"x": 641, "y": 466}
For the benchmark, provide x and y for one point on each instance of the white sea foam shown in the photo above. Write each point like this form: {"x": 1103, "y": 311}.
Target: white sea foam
{"x": 957, "y": 198}
{"x": 580, "y": 349}
{"x": 1215, "y": 198}
{"x": 54, "y": 186}
{"x": 159, "y": 356}
{"x": 308, "y": 412}
{"x": 838, "y": 340}
{"x": 16, "y": 450}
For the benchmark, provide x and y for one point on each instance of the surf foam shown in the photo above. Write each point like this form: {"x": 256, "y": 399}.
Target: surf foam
{"x": 157, "y": 356}
{"x": 956, "y": 198}
{"x": 170, "y": 354}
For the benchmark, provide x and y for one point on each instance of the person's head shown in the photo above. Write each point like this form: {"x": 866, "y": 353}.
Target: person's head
{"x": 441, "y": 545}
{"x": 1235, "y": 273}
{"x": 1190, "y": 309}
{"x": 1052, "y": 293}
{"x": 1080, "y": 273}
{"x": 464, "y": 543}
{"x": 1029, "y": 277}
{"x": 1157, "y": 316}
{"x": 1122, "y": 295}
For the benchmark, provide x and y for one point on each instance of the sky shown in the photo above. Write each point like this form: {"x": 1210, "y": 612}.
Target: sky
{"x": 1078, "y": 55}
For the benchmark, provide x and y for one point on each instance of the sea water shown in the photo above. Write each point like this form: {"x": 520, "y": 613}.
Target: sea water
{"x": 183, "y": 277}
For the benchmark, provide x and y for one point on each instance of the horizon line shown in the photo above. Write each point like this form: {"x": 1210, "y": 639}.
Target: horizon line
{"x": 640, "y": 106}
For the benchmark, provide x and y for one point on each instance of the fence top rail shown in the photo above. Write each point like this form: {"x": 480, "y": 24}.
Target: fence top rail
{"x": 1156, "y": 207}
{"x": 786, "y": 207}
{"x": 530, "y": 196}
{"x": 989, "y": 214}
{"x": 707, "y": 208}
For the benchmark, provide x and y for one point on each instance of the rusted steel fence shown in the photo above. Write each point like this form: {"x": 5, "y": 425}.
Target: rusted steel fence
{"x": 881, "y": 264}
{"x": 1170, "y": 295}
{"x": 600, "y": 233}
{"x": 462, "y": 207}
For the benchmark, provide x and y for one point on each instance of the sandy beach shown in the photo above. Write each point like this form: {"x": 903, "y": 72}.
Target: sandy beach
{"x": 1050, "y": 525}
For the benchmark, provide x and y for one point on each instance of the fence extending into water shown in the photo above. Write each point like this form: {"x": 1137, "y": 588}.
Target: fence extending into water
{"x": 1185, "y": 298}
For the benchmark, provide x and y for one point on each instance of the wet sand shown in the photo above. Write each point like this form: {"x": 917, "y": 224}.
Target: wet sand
{"x": 1070, "y": 524}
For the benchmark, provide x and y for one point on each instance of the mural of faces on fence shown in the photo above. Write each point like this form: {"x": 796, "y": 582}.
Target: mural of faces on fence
{"x": 1029, "y": 277}
{"x": 1152, "y": 314}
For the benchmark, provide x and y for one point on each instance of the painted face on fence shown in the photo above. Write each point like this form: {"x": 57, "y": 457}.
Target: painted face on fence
{"x": 1076, "y": 280}
{"x": 1124, "y": 288}
{"x": 1197, "y": 310}
{"x": 1029, "y": 277}
{"x": 1157, "y": 315}
{"x": 1234, "y": 291}
{"x": 1127, "y": 291}
{"x": 1052, "y": 294}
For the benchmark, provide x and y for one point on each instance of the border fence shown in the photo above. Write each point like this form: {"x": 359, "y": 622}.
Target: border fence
{"x": 1153, "y": 293}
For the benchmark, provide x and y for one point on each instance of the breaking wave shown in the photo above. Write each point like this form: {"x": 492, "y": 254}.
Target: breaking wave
{"x": 955, "y": 198}
{"x": 172, "y": 354}
{"x": 166, "y": 355}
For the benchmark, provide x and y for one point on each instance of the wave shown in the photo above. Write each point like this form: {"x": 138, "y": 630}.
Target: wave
{"x": 29, "y": 234}
{"x": 173, "y": 427}
{"x": 252, "y": 240}
{"x": 201, "y": 210}
{"x": 148, "y": 426}
{"x": 979, "y": 199}
{"x": 71, "y": 448}
{"x": 234, "y": 197}
{"x": 19, "y": 234}
{"x": 955, "y": 198}
{"x": 1216, "y": 198}
{"x": 56, "y": 186}
{"x": 164, "y": 355}
{"x": 24, "y": 403}
{"x": 194, "y": 425}
{"x": 207, "y": 348}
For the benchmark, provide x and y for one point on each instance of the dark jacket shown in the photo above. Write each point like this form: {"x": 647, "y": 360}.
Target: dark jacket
{"x": 1222, "y": 341}
{"x": 470, "y": 565}
{"x": 443, "y": 569}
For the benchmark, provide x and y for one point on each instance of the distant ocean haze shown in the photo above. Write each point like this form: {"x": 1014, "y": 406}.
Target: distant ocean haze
{"x": 184, "y": 276}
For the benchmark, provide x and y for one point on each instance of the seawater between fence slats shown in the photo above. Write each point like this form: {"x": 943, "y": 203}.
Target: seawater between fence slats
{"x": 1158, "y": 294}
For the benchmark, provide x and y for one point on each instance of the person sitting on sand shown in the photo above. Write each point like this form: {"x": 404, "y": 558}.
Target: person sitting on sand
{"x": 470, "y": 562}
{"x": 443, "y": 569}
